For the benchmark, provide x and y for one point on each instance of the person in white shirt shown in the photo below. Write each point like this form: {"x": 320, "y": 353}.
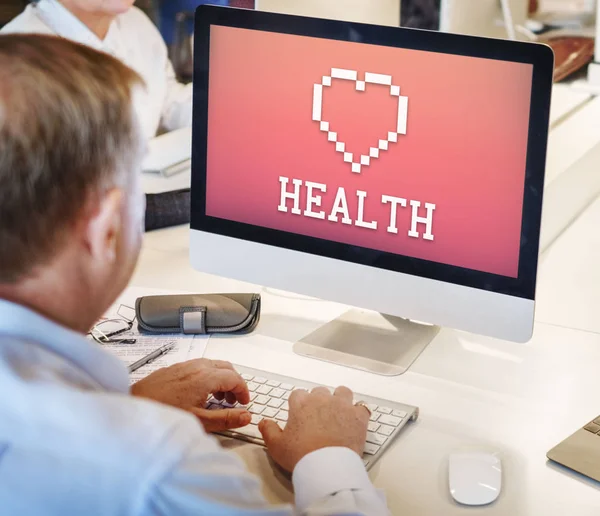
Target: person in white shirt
{"x": 117, "y": 28}
{"x": 124, "y": 31}
{"x": 74, "y": 437}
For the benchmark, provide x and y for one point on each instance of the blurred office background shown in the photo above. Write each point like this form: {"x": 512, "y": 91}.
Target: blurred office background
{"x": 174, "y": 18}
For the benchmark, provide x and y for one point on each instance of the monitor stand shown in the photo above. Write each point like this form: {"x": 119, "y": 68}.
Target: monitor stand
{"x": 369, "y": 341}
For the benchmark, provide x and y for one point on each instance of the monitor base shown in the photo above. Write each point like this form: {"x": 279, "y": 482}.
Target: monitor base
{"x": 369, "y": 341}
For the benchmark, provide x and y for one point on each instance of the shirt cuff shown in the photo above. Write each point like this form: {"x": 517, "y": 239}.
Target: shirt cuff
{"x": 327, "y": 471}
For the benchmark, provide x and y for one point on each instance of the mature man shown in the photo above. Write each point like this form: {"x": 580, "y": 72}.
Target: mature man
{"x": 73, "y": 438}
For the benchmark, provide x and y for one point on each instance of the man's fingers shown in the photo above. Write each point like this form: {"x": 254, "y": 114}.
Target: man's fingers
{"x": 230, "y": 398}
{"x": 225, "y": 419}
{"x": 223, "y": 364}
{"x": 219, "y": 395}
{"x": 297, "y": 397}
{"x": 364, "y": 413}
{"x": 344, "y": 393}
{"x": 320, "y": 390}
{"x": 225, "y": 380}
{"x": 270, "y": 431}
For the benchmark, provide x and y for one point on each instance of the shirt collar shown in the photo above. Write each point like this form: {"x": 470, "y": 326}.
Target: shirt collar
{"x": 65, "y": 24}
{"x": 84, "y": 354}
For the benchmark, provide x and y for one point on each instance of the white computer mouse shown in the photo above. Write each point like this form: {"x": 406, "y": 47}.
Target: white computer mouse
{"x": 475, "y": 478}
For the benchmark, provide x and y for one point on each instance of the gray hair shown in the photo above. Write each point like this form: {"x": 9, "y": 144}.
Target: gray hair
{"x": 67, "y": 131}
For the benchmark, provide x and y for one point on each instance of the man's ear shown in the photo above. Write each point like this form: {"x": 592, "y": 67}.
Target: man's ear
{"x": 103, "y": 226}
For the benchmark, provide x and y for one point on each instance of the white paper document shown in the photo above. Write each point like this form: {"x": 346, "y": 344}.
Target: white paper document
{"x": 168, "y": 151}
{"x": 185, "y": 347}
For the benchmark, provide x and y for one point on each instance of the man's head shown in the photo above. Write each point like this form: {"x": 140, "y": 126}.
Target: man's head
{"x": 71, "y": 209}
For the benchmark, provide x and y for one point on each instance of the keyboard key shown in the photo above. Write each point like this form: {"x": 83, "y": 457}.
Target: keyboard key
{"x": 366, "y": 462}
{"x": 275, "y": 402}
{"x": 264, "y": 389}
{"x": 282, "y": 415}
{"x": 214, "y": 406}
{"x": 285, "y": 406}
{"x": 226, "y": 404}
{"x": 277, "y": 393}
{"x": 247, "y": 376}
{"x": 386, "y": 430}
{"x": 260, "y": 379}
{"x": 252, "y": 386}
{"x": 399, "y": 413}
{"x": 286, "y": 387}
{"x": 371, "y": 449}
{"x": 376, "y": 438}
{"x": 372, "y": 407}
{"x": 256, "y": 409}
{"x": 384, "y": 410}
{"x": 215, "y": 401}
{"x": 256, "y": 419}
{"x": 592, "y": 427}
{"x": 286, "y": 396}
{"x": 374, "y": 416}
{"x": 282, "y": 424}
{"x": 597, "y": 420}
{"x": 250, "y": 431}
{"x": 253, "y": 396}
{"x": 373, "y": 426}
{"x": 261, "y": 399}
{"x": 389, "y": 420}
{"x": 270, "y": 412}
{"x": 273, "y": 383}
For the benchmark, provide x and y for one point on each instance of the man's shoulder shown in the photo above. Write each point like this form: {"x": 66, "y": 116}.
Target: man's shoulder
{"x": 26, "y": 22}
{"x": 60, "y": 428}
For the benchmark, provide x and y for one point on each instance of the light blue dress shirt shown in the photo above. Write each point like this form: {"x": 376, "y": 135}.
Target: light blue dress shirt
{"x": 73, "y": 441}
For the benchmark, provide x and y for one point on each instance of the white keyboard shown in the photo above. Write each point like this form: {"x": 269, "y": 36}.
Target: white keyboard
{"x": 269, "y": 394}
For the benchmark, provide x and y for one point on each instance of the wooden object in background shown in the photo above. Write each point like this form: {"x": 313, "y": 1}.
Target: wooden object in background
{"x": 534, "y": 5}
{"x": 571, "y": 53}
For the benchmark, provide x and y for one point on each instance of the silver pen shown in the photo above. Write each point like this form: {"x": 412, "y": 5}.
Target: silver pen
{"x": 163, "y": 350}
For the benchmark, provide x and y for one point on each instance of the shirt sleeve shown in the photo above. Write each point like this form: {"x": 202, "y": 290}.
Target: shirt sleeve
{"x": 207, "y": 480}
{"x": 177, "y": 108}
{"x": 334, "y": 481}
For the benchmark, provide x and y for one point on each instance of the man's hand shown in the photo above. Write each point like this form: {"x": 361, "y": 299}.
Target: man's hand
{"x": 188, "y": 385}
{"x": 317, "y": 420}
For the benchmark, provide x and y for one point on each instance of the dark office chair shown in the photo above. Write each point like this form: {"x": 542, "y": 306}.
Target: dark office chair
{"x": 181, "y": 51}
{"x": 149, "y": 7}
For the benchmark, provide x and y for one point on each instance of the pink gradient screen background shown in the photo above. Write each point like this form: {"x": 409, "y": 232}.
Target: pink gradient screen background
{"x": 464, "y": 150}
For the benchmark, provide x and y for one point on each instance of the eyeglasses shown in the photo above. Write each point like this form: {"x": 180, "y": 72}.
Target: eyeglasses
{"x": 107, "y": 331}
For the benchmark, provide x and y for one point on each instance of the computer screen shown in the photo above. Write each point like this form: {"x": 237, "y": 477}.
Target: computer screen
{"x": 414, "y": 153}
{"x": 395, "y": 170}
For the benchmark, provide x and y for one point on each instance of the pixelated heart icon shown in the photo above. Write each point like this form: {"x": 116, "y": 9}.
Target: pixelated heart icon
{"x": 370, "y": 78}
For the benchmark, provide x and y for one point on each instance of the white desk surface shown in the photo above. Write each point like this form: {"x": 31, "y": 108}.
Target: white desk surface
{"x": 519, "y": 399}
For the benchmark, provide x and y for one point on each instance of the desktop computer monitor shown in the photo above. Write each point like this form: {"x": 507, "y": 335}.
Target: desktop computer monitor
{"x": 398, "y": 171}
